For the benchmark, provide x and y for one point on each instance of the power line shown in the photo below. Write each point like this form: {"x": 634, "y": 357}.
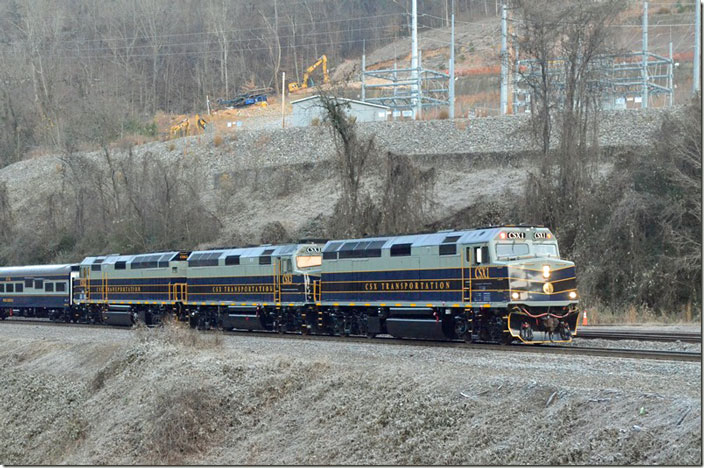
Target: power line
{"x": 156, "y": 36}
{"x": 230, "y": 41}
{"x": 564, "y": 23}
{"x": 209, "y": 52}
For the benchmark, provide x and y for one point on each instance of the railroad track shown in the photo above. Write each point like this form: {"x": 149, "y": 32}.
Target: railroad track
{"x": 45, "y": 321}
{"x": 685, "y": 337}
{"x": 519, "y": 348}
{"x": 388, "y": 340}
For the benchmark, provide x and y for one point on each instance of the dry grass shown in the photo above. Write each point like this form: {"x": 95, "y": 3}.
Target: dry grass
{"x": 183, "y": 423}
{"x": 266, "y": 401}
{"x": 217, "y": 140}
{"x": 601, "y": 314}
{"x": 180, "y": 334}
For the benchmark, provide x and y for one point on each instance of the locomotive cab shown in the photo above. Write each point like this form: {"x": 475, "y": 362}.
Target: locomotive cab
{"x": 541, "y": 294}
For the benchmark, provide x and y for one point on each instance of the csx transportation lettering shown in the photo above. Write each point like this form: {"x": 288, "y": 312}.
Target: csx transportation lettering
{"x": 124, "y": 289}
{"x": 254, "y": 288}
{"x": 516, "y": 235}
{"x": 407, "y": 286}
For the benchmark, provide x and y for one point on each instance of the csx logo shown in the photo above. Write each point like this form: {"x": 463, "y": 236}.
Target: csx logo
{"x": 541, "y": 235}
{"x": 313, "y": 250}
{"x": 516, "y": 235}
{"x": 481, "y": 272}
{"x": 287, "y": 279}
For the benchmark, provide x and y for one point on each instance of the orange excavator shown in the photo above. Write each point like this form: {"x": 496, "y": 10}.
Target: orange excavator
{"x": 307, "y": 82}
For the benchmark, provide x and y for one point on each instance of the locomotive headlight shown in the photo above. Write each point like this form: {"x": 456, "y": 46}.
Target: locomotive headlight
{"x": 515, "y": 295}
{"x": 546, "y": 271}
{"x": 573, "y": 294}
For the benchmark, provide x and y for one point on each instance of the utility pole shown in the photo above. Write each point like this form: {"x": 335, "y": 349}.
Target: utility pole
{"x": 671, "y": 77}
{"x": 514, "y": 83}
{"x": 283, "y": 98}
{"x": 644, "y": 71}
{"x": 697, "y": 46}
{"x": 451, "y": 112}
{"x": 504, "y": 62}
{"x": 415, "y": 89}
{"x": 364, "y": 68}
{"x": 419, "y": 113}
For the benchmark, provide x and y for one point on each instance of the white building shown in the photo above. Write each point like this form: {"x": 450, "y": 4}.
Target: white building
{"x": 308, "y": 109}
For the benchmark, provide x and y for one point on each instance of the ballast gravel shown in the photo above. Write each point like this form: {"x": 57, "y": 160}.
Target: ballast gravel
{"x": 171, "y": 395}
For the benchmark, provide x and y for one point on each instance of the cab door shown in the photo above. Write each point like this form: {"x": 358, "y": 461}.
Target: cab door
{"x": 476, "y": 270}
{"x": 85, "y": 282}
{"x": 466, "y": 274}
{"x": 276, "y": 263}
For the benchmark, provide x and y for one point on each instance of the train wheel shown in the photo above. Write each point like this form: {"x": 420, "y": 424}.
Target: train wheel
{"x": 460, "y": 327}
{"x": 565, "y": 332}
{"x": 526, "y": 332}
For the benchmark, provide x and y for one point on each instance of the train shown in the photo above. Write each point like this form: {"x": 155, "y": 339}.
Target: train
{"x": 494, "y": 284}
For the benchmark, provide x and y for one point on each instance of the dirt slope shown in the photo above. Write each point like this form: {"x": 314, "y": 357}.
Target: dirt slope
{"x": 96, "y": 396}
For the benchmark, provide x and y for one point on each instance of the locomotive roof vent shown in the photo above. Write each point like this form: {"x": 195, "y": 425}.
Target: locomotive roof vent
{"x": 312, "y": 241}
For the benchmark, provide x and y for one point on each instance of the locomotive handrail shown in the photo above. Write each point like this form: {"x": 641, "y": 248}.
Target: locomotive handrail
{"x": 316, "y": 291}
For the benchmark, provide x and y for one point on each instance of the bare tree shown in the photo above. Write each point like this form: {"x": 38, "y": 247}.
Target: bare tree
{"x": 565, "y": 43}
{"x": 400, "y": 199}
{"x": 352, "y": 157}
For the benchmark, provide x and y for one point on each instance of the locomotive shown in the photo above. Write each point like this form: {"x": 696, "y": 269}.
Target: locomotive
{"x": 495, "y": 284}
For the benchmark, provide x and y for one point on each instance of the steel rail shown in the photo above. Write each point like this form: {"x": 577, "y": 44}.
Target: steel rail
{"x": 388, "y": 340}
{"x": 522, "y": 348}
{"x": 687, "y": 337}
{"x": 46, "y": 321}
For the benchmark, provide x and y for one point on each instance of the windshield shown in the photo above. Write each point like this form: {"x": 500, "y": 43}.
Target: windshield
{"x": 545, "y": 250}
{"x": 504, "y": 251}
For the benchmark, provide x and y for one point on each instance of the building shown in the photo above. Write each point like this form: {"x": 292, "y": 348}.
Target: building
{"x": 306, "y": 110}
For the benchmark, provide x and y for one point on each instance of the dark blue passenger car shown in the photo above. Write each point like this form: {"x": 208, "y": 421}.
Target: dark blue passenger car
{"x": 36, "y": 290}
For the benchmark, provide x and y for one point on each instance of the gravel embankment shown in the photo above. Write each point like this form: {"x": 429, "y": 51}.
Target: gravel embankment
{"x": 105, "y": 396}
{"x": 255, "y": 177}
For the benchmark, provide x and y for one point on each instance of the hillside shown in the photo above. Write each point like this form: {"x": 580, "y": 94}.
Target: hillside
{"x": 255, "y": 177}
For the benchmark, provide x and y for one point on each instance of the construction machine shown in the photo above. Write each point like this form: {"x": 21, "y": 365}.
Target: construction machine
{"x": 307, "y": 82}
{"x": 200, "y": 122}
{"x": 182, "y": 128}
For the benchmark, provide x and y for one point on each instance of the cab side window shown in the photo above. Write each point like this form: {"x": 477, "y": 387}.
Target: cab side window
{"x": 479, "y": 255}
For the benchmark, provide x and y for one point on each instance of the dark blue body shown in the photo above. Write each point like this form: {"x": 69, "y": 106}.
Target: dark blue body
{"x": 30, "y": 298}
{"x": 131, "y": 290}
{"x": 245, "y": 289}
{"x": 416, "y": 285}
